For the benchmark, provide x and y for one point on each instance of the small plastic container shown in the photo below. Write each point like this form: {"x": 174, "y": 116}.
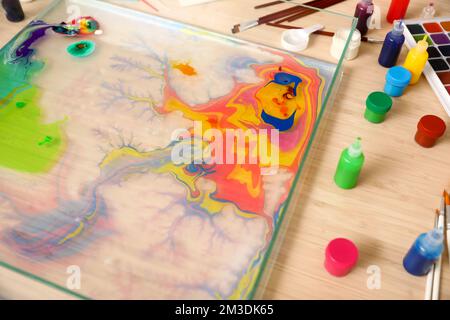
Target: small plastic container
{"x": 429, "y": 129}
{"x": 378, "y": 105}
{"x": 341, "y": 256}
{"x": 339, "y": 41}
{"x": 14, "y": 11}
{"x": 424, "y": 252}
{"x": 397, "y": 79}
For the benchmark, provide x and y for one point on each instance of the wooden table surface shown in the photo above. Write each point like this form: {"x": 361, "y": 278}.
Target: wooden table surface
{"x": 399, "y": 188}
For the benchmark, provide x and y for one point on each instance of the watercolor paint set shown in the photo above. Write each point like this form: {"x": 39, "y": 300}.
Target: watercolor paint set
{"x": 437, "y": 70}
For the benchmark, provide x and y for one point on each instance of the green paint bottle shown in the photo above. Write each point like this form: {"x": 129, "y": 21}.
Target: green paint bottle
{"x": 349, "y": 166}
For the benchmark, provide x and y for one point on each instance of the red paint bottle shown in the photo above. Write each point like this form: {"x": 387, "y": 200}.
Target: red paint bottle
{"x": 397, "y": 10}
{"x": 429, "y": 129}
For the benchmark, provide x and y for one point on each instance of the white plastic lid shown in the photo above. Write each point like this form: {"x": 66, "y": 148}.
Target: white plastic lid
{"x": 398, "y": 28}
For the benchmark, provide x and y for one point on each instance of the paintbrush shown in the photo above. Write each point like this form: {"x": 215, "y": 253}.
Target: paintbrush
{"x": 268, "y": 4}
{"x": 430, "y": 276}
{"x": 321, "y": 4}
{"x": 438, "y": 266}
{"x": 289, "y": 12}
{"x": 150, "y": 5}
{"x": 447, "y": 211}
{"x": 322, "y": 32}
{"x": 264, "y": 19}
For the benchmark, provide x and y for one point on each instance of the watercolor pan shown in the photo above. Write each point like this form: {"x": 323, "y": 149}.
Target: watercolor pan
{"x": 416, "y": 29}
{"x": 440, "y": 38}
{"x": 437, "y": 70}
{"x": 433, "y": 52}
{"x": 438, "y": 64}
{"x": 445, "y": 50}
{"x": 419, "y": 37}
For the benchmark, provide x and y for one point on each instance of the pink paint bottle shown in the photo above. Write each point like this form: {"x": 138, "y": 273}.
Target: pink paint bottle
{"x": 341, "y": 256}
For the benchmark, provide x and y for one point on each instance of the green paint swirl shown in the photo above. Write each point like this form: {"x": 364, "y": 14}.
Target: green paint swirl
{"x": 24, "y": 137}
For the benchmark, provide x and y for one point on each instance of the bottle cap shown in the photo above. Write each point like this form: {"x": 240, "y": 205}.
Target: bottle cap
{"x": 399, "y": 28}
{"x": 429, "y": 8}
{"x": 341, "y": 255}
{"x": 432, "y": 126}
{"x": 398, "y": 76}
{"x": 433, "y": 239}
{"x": 422, "y": 45}
{"x": 355, "y": 150}
{"x": 14, "y": 11}
{"x": 379, "y": 102}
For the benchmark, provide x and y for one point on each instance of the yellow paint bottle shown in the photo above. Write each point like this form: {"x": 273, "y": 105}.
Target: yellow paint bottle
{"x": 416, "y": 60}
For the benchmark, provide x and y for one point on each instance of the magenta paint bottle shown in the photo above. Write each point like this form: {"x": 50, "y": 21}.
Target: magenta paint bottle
{"x": 364, "y": 10}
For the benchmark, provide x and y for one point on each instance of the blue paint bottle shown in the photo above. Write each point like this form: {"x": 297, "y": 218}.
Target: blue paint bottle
{"x": 392, "y": 45}
{"x": 425, "y": 251}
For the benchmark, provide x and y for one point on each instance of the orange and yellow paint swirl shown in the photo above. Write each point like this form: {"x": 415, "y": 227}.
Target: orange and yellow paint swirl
{"x": 242, "y": 184}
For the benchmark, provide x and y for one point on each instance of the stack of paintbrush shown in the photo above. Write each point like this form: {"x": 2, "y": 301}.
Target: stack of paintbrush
{"x": 289, "y": 14}
{"x": 434, "y": 276}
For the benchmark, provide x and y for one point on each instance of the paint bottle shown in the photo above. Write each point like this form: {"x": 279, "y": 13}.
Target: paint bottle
{"x": 13, "y": 8}
{"x": 364, "y": 10}
{"x": 397, "y": 79}
{"x": 392, "y": 45}
{"x": 397, "y": 10}
{"x": 428, "y": 12}
{"x": 341, "y": 256}
{"x": 429, "y": 129}
{"x": 339, "y": 41}
{"x": 416, "y": 60}
{"x": 378, "y": 105}
{"x": 424, "y": 252}
{"x": 349, "y": 166}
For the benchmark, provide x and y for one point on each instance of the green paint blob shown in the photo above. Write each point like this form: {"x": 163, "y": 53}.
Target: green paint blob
{"x": 20, "y": 104}
{"x": 420, "y": 37}
{"x": 82, "y": 48}
{"x": 21, "y": 131}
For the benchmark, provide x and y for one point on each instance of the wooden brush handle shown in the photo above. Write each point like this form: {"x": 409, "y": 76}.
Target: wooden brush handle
{"x": 279, "y": 14}
{"x": 268, "y": 4}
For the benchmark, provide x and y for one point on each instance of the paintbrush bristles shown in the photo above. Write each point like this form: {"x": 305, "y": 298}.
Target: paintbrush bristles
{"x": 447, "y": 198}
